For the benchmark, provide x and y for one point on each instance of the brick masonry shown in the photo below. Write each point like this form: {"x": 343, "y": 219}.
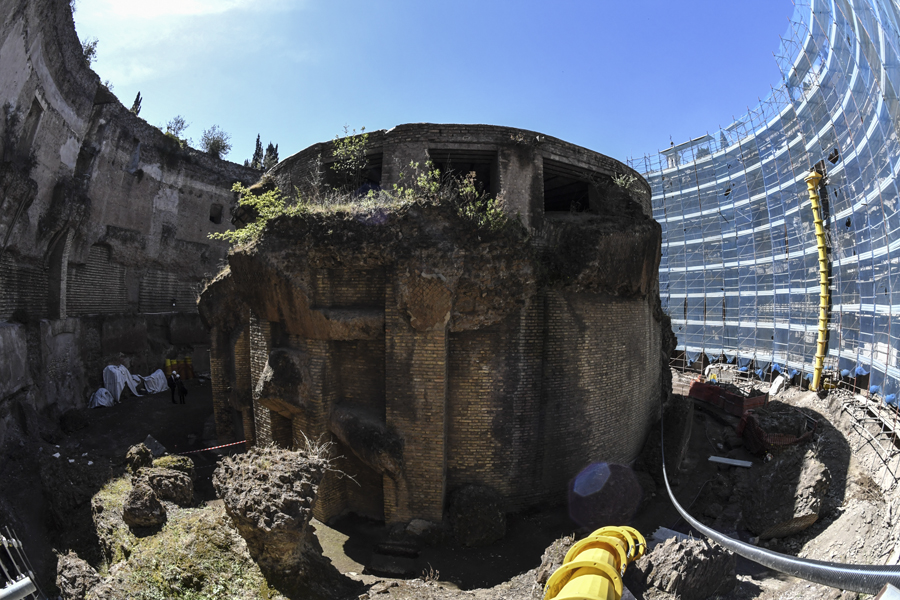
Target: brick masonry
{"x": 521, "y": 406}
{"x": 448, "y": 365}
{"x": 103, "y": 219}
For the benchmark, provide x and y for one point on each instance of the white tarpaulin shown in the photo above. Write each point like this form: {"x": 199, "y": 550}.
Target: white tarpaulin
{"x": 155, "y": 382}
{"x": 115, "y": 378}
{"x": 101, "y": 398}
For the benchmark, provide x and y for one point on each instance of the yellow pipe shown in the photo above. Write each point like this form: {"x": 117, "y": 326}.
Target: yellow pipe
{"x": 593, "y": 567}
{"x": 812, "y": 186}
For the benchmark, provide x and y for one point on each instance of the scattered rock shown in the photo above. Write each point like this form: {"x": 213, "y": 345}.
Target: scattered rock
{"x": 689, "y": 569}
{"x": 169, "y": 484}
{"x": 713, "y": 510}
{"x": 137, "y": 457}
{"x": 477, "y": 515}
{"x": 389, "y": 565}
{"x": 155, "y": 447}
{"x": 177, "y": 463}
{"x": 787, "y": 495}
{"x": 74, "y": 577}
{"x": 381, "y": 587}
{"x": 552, "y": 558}
{"x": 116, "y": 539}
{"x": 269, "y": 494}
{"x": 36, "y": 424}
{"x": 778, "y": 417}
{"x": 648, "y": 487}
{"x": 422, "y": 530}
{"x": 732, "y": 440}
{"x": 142, "y": 508}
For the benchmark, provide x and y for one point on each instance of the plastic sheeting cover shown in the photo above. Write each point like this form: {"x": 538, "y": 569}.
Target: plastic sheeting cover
{"x": 155, "y": 382}
{"x": 101, "y": 398}
{"x": 115, "y": 378}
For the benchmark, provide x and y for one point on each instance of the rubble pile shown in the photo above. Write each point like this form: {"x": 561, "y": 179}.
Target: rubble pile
{"x": 269, "y": 494}
{"x": 786, "y": 495}
{"x": 142, "y": 508}
{"x": 74, "y": 577}
{"x": 687, "y": 569}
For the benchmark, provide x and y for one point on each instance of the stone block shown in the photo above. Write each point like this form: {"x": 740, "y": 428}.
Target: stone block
{"x": 124, "y": 334}
{"x": 186, "y": 329}
{"x": 14, "y": 367}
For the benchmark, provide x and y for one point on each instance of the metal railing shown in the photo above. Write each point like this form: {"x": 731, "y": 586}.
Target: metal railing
{"x": 16, "y": 573}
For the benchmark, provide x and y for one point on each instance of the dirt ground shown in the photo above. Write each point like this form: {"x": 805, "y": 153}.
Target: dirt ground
{"x": 858, "y": 522}
{"x": 46, "y": 498}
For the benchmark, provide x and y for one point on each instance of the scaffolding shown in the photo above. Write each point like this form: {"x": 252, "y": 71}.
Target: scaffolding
{"x": 739, "y": 273}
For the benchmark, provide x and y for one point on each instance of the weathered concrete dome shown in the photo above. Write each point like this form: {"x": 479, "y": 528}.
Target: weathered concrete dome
{"x": 437, "y": 353}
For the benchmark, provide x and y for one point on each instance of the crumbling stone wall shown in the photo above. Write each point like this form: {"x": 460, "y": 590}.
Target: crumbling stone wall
{"x": 103, "y": 219}
{"x": 435, "y": 354}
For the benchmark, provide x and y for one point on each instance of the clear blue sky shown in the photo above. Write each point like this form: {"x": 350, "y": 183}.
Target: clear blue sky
{"x": 619, "y": 77}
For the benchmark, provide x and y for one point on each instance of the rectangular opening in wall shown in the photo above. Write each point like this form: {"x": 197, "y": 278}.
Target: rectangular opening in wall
{"x": 29, "y": 130}
{"x": 459, "y": 163}
{"x": 358, "y": 181}
{"x": 566, "y": 187}
{"x": 215, "y": 213}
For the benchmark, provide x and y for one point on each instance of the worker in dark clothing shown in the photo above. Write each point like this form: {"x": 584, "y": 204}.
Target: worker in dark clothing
{"x": 182, "y": 389}
{"x": 172, "y": 381}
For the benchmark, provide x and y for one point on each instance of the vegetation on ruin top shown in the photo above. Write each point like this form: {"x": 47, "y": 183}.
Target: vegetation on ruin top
{"x": 353, "y": 194}
{"x": 427, "y": 186}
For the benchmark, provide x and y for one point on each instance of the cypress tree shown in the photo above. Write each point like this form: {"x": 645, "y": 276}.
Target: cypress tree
{"x": 257, "y": 161}
{"x": 271, "y": 158}
{"x": 136, "y": 107}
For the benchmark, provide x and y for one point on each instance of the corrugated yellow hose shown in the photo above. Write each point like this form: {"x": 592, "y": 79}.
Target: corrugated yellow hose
{"x": 812, "y": 186}
{"x": 593, "y": 567}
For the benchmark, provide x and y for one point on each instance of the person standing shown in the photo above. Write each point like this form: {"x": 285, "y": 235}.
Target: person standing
{"x": 182, "y": 389}
{"x": 172, "y": 380}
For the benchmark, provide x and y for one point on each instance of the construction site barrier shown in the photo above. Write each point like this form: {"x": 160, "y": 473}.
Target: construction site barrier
{"x": 593, "y": 567}
{"x": 213, "y": 448}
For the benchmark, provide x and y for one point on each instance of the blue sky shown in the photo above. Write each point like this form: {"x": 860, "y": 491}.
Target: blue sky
{"x": 619, "y": 77}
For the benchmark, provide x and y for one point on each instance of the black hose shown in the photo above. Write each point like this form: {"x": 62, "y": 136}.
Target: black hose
{"x": 868, "y": 579}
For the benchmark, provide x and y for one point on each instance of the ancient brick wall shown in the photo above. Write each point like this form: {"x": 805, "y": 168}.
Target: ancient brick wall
{"x": 533, "y": 400}
{"x": 435, "y": 358}
{"x": 158, "y": 289}
{"x": 601, "y": 380}
{"x": 416, "y": 389}
{"x": 23, "y": 287}
{"x": 350, "y": 372}
{"x": 100, "y": 213}
{"x": 401, "y": 144}
{"x": 97, "y": 287}
{"x": 494, "y": 405}
{"x": 220, "y": 367}
{"x": 268, "y": 429}
{"x": 349, "y": 288}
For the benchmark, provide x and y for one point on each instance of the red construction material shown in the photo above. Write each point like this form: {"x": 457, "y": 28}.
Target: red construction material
{"x": 731, "y": 403}
{"x": 758, "y": 441}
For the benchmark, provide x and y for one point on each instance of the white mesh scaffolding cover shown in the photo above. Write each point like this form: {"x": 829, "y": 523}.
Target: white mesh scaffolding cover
{"x": 739, "y": 272}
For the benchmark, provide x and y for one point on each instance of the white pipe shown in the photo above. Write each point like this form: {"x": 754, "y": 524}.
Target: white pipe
{"x": 18, "y": 590}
